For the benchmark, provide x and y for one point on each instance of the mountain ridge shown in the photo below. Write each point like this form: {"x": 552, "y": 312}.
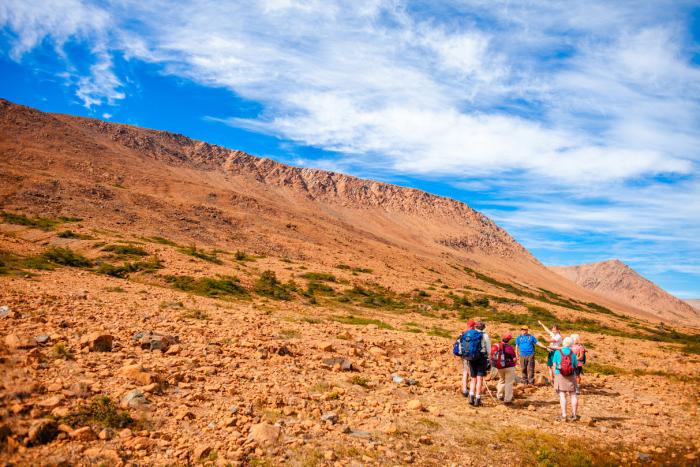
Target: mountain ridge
{"x": 618, "y": 281}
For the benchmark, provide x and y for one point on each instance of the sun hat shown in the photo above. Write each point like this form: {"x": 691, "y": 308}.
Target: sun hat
{"x": 471, "y": 323}
{"x": 567, "y": 342}
{"x": 524, "y": 327}
{"x": 508, "y": 336}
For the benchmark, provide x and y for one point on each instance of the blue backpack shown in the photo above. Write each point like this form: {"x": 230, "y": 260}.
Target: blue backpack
{"x": 468, "y": 345}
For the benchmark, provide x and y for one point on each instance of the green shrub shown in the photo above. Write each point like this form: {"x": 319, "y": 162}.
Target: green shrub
{"x": 602, "y": 369}
{"x": 268, "y": 285}
{"x": 192, "y": 250}
{"x": 360, "y": 381}
{"x": 66, "y": 257}
{"x": 101, "y": 411}
{"x": 127, "y": 268}
{"x": 482, "y": 300}
{"x": 319, "y": 276}
{"x": 195, "y": 314}
{"x": 208, "y": 286}
{"x": 75, "y": 235}
{"x": 240, "y": 255}
{"x": 125, "y": 250}
{"x": 347, "y": 267}
{"x": 440, "y": 332}
{"x": 42, "y": 223}
{"x": 162, "y": 241}
{"x": 60, "y": 350}
{"x": 362, "y": 321}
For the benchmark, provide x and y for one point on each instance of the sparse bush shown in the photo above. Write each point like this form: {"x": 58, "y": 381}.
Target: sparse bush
{"x": 101, "y": 411}
{"x": 192, "y": 250}
{"x": 162, "y": 241}
{"x": 60, "y": 350}
{"x": 240, "y": 255}
{"x": 42, "y": 223}
{"x": 482, "y": 300}
{"x": 74, "y": 235}
{"x": 268, "y": 285}
{"x": 319, "y": 276}
{"x": 195, "y": 314}
{"x": 127, "y": 268}
{"x": 440, "y": 332}
{"x": 125, "y": 250}
{"x": 362, "y": 321}
{"x": 360, "y": 381}
{"x": 66, "y": 257}
{"x": 208, "y": 286}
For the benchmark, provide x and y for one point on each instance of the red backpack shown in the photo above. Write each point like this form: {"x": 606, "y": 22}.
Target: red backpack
{"x": 566, "y": 367}
{"x": 499, "y": 358}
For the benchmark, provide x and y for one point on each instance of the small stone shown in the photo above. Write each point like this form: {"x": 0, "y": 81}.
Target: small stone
{"x": 425, "y": 439}
{"x": 83, "y": 434}
{"x": 134, "y": 399}
{"x": 184, "y": 413}
{"x": 397, "y": 379}
{"x": 391, "y": 429}
{"x": 377, "y": 351}
{"x": 4, "y": 311}
{"x": 329, "y": 456}
{"x": 325, "y": 346}
{"x": 264, "y": 434}
{"x": 126, "y": 433}
{"x": 19, "y": 342}
{"x": 531, "y": 408}
{"x": 414, "y": 404}
{"x": 200, "y": 452}
{"x": 42, "y": 431}
{"x": 51, "y": 402}
{"x": 342, "y": 364}
{"x": 137, "y": 374}
{"x": 42, "y": 339}
{"x": 97, "y": 342}
{"x": 101, "y": 455}
{"x": 106, "y": 434}
{"x": 330, "y": 417}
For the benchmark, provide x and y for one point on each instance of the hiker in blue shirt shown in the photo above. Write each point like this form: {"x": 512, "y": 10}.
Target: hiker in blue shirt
{"x": 525, "y": 352}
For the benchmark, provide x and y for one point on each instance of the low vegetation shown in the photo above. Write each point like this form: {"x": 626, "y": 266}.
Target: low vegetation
{"x": 65, "y": 257}
{"x": 102, "y": 411}
{"x": 319, "y": 276}
{"x": 209, "y": 256}
{"x": 161, "y": 241}
{"x": 74, "y": 235}
{"x": 125, "y": 269}
{"x": 221, "y": 286}
{"x": 357, "y": 321}
{"x": 267, "y": 285}
{"x": 352, "y": 269}
{"x": 41, "y": 223}
{"x": 61, "y": 351}
{"x": 125, "y": 250}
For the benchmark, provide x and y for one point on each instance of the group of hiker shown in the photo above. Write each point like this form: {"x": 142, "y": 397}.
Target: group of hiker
{"x": 565, "y": 360}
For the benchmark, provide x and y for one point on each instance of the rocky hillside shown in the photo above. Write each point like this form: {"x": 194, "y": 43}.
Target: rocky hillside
{"x": 164, "y": 301}
{"x": 616, "y": 280}
{"x": 695, "y": 303}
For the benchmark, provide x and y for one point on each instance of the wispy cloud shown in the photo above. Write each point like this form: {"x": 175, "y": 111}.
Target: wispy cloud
{"x": 587, "y": 114}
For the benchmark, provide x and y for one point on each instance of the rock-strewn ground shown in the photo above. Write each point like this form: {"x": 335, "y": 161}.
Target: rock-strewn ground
{"x": 253, "y": 381}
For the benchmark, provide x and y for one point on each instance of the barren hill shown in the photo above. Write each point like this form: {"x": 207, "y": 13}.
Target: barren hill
{"x": 695, "y": 303}
{"x": 164, "y": 301}
{"x": 616, "y": 280}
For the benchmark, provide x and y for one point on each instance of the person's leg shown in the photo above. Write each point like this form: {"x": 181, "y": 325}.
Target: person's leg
{"x": 574, "y": 405}
{"x": 465, "y": 374}
{"x": 531, "y": 369}
{"x": 472, "y": 382}
{"x": 509, "y": 378}
{"x": 523, "y": 369}
{"x": 562, "y": 403}
{"x": 500, "y": 388}
{"x": 479, "y": 384}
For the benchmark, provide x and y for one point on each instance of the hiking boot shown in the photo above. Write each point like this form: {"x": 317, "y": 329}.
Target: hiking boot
{"x": 562, "y": 418}
{"x": 471, "y": 399}
{"x": 465, "y": 394}
{"x": 477, "y": 401}
{"x": 574, "y": 418}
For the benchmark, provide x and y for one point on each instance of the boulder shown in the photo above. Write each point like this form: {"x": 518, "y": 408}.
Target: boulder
{"x": 331, "y": 417}
{"x": 102, "y": 456}
{"x": 97, "y": 342}
{"x": 325, "y": 346}
{"x": 83, "y": 434}
{"x": 20, "y": 342}
{"x": 137, "y": 374}
{"x": 41, "y": 432}
{"x": 134, "y": 399}
{"x": 151, "y": 340}
{"x": 201, "y": 452}
{"x": 265, "y": 434}
{"x": 341, "y": 363}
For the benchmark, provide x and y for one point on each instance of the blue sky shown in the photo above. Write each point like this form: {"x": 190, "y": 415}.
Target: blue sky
{"x": 574, "y": 125}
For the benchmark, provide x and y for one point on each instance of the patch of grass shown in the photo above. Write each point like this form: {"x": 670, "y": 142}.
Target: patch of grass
{"x": 74, "y": 235}
{"x": 195, "y": 314}
{"x": 209, "y": 256}
{"x": 359, "y": 381}
{"x": 319, "y": 276}
{"x": 125, "y": 269}
{"x": 41, "y": 223}
{"x": 61, "y": 351}
{"x": 357, "y": 321}
{"x": 347, "y": 267}
{"x": 100, "y": 411}
{"x": 289, "y": 333}
{"x": 125, "y": 250}
{"x": 315, "y": 287}
{"x": 208, "y": 286}
{"x": 376, "y": 297}
{"x": 602, "y": 369}
{"x": 432, "y": 424}
{"x": 440, "y": 332}
{"x": 114, "y": 289}
{"x": 161, "y": 241}
{"x": 241, "y": 256}
{"x": 311, "y": 320}
{"x": 66, "y": 257}
{"x": 267, "y": 285}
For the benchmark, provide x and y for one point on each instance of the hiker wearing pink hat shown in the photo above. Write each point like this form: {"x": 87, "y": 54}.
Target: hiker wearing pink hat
{"x": 503, "y": 359}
